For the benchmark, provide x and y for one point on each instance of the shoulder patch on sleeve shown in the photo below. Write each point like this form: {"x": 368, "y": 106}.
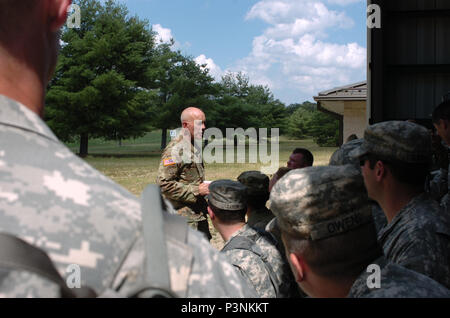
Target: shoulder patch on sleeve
{"x": 168, "y": 162}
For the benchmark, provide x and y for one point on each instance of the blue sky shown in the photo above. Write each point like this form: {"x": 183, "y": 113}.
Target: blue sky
{"x": 296, "y": 47}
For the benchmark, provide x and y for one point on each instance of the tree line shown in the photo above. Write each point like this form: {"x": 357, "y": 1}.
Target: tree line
{"x": 115, "y": 80}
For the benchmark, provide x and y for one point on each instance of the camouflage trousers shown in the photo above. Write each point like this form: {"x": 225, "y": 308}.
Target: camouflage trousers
{"x": 196, "y": 220}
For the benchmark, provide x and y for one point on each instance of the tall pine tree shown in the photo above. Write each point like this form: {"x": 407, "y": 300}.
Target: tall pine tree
{"x": 100, "y": 88}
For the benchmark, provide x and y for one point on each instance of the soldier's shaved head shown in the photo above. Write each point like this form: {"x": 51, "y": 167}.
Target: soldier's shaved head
{"x": 193, "y": 120}
{"x": 192, "y": 113}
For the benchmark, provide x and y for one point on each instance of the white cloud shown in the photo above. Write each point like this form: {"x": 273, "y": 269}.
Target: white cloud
{"x": 272, "y": 12}
{"x": 214, "y": 70}
{"x": 304, "y": 63}
{"x": 295, "y": 53}
{"x": 294, "y": 18}
{"x": 163, "y": 35}
{"x": 344, "y": 2}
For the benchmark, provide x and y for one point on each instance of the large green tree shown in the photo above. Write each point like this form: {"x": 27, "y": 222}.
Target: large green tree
{"x": 299, "y": 123}
{"x": 244, "y": 105}
{"x": 324, "y": 129}
{"x": 102, "y": 81}
{"x": 271, "y": 113}
{"x": 180, "y": 83}
{"x": 306, "y": 121}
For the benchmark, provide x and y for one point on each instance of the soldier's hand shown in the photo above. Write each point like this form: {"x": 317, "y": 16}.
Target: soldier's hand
{"x": 203, "y": 189}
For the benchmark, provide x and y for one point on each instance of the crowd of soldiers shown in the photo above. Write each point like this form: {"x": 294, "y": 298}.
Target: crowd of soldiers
{"x": 371, "y": 224}
{"x": 374, "y": 205}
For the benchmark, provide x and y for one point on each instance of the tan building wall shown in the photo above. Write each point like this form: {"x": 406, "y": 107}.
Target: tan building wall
{"x": 354, "y": 118}
{"x": 334, "y": 106}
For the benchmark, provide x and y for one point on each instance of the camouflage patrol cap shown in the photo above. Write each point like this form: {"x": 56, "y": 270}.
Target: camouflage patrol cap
{"x": 396, "y": 140}
{"x": 315, "y": 203}
{"x": 257, "y": 183}
{"x": 342, "y": 156}
{"x": 227, "y": 195}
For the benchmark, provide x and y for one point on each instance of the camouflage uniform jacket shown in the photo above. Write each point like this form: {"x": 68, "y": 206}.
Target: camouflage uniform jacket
{"x": 437, "y": 185}
{"x": 418, "y": 238}
{"x": 259, "y": 218}
{"x": 445, "y": 203}
{"x": 439, "y": 188}
{"x": 54, "y": 200}
{"x": 262, "y": 264}
{"x": 179, "y": 180}
{"x": 397, "y": 282}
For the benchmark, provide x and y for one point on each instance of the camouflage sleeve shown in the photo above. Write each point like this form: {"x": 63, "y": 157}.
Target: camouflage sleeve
{"x": 23, "y": 284}
{"x": 205, "y": 273}
{"x": 168, "y": 179}
{"x": 438, "y": 185}
{"x": 245, "y": 276}
{"x": 445, "y": 203}
{"x": 426, "y": 256}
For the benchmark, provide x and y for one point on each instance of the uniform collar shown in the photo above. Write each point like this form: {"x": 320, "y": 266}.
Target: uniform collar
{"x": 238, "y": 232}
{"x": 15, "y": 114}
{"x": 401, "y": 215}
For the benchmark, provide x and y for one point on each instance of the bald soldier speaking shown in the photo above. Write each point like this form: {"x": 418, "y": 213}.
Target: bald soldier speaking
{"x": 181, "y": 171}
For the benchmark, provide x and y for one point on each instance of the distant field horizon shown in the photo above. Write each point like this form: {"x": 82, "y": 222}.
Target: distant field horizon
{"x": 134, "y": 164}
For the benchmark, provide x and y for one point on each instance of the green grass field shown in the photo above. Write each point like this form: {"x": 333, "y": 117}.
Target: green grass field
{"x": 135, "y": 164}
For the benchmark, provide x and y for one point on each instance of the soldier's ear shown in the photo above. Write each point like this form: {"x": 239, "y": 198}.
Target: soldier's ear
{"x": 57, "y": 13}
{"x": 298, "y": 267}
{"x": 380, "y": 170}
{"x": 211, "y": 213}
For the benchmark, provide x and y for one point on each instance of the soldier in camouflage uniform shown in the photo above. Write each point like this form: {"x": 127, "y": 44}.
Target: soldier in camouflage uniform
{"x": 54, "y": 200}
{"x": 257, "y": 185}
{"x": 341, "y": 157}
{"x": 439, "y": 185}
{"x": 253, "y": 252}
{"x": 395, "y": 158}
{"x": 181, "y": 172}
{"x": 330, "y": 238}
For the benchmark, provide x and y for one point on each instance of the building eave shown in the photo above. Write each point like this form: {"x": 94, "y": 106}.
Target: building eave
{"x": 335, "y": 98}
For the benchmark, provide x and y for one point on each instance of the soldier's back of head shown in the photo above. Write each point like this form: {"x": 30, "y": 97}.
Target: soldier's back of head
{"x": 326, "y": 207}
{"x": 326, "y": 222}
{"x": 228, "y": 200}
{"x": 254, "y": 252}
{"x": 257, "y": 185}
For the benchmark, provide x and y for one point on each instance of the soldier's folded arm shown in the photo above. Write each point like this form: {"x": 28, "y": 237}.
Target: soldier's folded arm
{"x": 175, "y": 190}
